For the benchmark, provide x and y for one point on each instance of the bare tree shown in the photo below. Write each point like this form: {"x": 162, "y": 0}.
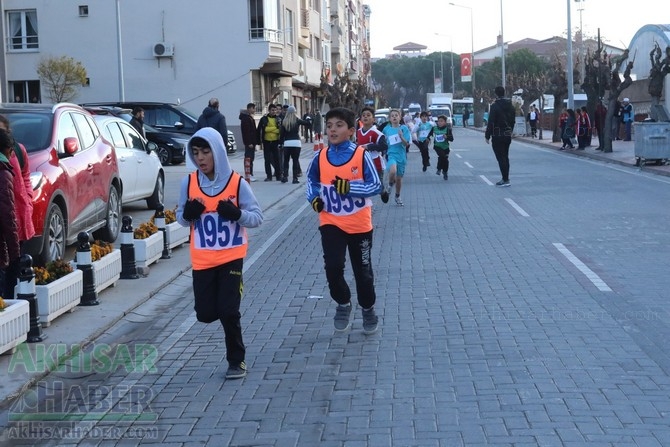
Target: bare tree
{"x": 616, "y": 88}
{"x": 558, "y": 86}
{"x": 61, "y": 76}
{"x": 659, "y": 68}
{"x": 345, "y": 92}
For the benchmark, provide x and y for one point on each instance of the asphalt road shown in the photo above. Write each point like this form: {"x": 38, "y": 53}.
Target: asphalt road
{"x": 530, "y": 315}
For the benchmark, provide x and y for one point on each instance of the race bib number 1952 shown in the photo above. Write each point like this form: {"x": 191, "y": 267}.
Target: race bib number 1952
{"x": 213, "y": 232}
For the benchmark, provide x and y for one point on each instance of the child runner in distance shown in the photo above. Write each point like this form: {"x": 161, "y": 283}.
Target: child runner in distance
{"x": 218, "y": 206}
{"x": 340, "y": 181}
{"x": 421, "y": 131}
{"x": 373, "y": 141}
{"x": 397, "y": 137}
{"x": 442, "y": 134}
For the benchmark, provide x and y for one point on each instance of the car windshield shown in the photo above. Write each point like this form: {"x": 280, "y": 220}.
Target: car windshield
{"x": 128, "y": 117}
{"x": 32, "y": 129}
{"x": 186, "y": 112}
{"x": 437, "y": 112}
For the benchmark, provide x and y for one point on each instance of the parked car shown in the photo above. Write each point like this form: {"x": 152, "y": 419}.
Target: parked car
{"x": 167, "y": 117}
{"x": 171, "y": 145}
{"x": 75, "y": 176}
{"x": 142, "y": 176}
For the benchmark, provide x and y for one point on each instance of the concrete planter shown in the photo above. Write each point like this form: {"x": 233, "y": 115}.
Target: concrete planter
{"x": 149, "y": 250}
{"x": 14, "y": 324}
{"x": 59, "y": 296}
{"x": 107, "y": 270}
{"x": 177, "y": 234}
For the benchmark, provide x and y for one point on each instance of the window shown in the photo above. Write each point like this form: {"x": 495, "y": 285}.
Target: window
{"x": 66, "y": 129}
{"x": 113, "y": 134}
{"x": 85, "y": 130}
{"x": 22, "y": 29}
{"x": 288, "y": 28}
{"x": 83, "y": 10}
{"x": 264, "y": 20}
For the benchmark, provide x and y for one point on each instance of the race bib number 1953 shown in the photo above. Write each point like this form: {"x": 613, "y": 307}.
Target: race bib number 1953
{"x": 213, "y": 232}
{"x": 339, "y": 205}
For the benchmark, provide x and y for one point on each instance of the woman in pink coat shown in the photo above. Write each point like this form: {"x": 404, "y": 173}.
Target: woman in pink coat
{"x": 23, "y": 204}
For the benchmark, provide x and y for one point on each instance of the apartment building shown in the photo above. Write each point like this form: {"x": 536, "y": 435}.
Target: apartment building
{"x": 186, "y": 52}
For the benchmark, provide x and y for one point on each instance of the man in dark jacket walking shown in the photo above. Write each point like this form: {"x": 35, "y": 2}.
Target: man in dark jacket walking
{"x": 211, "y": 117}
{"x": 137, "y": 120}
{"x": 499, "y": 131}
{"x": 249, "y": 139}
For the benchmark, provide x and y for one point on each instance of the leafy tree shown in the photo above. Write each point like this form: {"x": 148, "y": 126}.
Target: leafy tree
{"x": 61, "y": 76}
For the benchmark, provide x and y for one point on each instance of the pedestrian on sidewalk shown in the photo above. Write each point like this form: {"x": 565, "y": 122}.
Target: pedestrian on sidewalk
{"x": 627, "y": 116}
{"x": 532, "y": 118}
{"x": 317, "y": 126}
{"x": 588, "y": 127}
{"x": 466, "y": 116}
{"x": 568, "y": 134}
{"x": 600, "y": 119}
{"x": 268, "y": 134}
{"x": 212, "y": 117}
{"x": 308, "y": 120}
{"x": 421, "y": 139}
{"x": 442, "y": 135}
{"x": 23, "y": 206}
{"x": 249, "y": 139}
{"x": 340, "y": 182}
{"x": 218, "y": 207}
{"x": 581, "y": 129}
{"x": 289, "y": 139}
{"x": 372, "y": 140}
{"x": 616, "y": 121}
{"x": 398, "y": 138}
{"x": 9, "y": 233}
{"x": 499, "y": 132}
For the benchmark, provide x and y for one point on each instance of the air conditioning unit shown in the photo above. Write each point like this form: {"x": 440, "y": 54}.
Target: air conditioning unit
{"x": 163, "y": 49}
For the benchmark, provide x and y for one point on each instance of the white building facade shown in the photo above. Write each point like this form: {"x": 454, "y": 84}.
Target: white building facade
{"x": 241, "y": 51}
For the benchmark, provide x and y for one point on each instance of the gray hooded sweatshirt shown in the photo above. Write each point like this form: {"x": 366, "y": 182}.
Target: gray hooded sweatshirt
{"x": 252, "y": 215}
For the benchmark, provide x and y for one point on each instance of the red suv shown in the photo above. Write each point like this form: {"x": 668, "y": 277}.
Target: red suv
{"x": 74, "y": 175}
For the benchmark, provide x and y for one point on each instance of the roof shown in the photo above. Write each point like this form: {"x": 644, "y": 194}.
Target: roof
{"x": 410, "y": 46}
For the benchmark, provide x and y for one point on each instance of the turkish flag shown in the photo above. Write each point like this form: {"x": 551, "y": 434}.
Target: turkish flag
{"x": 466, "y": 64}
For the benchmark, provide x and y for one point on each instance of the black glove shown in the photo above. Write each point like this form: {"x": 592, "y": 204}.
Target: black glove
{"x": 228, "y": 210}
{"x": 317, "y": 204}
{"x": 192, "y": 209}
{"x": 341, "y": 186}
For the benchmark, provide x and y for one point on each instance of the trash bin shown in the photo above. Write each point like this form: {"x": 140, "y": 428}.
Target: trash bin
{"x": 519, "y": 126}
{"x": 652, "y": 142}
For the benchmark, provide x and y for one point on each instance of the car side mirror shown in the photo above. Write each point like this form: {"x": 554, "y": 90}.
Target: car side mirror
{"x": 151, "y": 146}
{"x": 179, "y": 125}
{"x": 71, "y": 146}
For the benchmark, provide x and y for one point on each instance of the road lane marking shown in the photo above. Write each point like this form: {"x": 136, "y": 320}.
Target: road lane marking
{"x": 487, "y": 181}
{"x": 517, "y": 207}
{"x": 458, "y": 155}
{"x": 468, "y": 165}
{"x": 590, "y": 274}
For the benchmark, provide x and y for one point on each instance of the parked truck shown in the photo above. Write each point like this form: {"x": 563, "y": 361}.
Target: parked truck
{"x": 440, "y": 104}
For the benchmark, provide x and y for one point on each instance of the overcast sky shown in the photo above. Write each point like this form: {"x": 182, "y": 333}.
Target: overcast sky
{"x": 394, "y": 22}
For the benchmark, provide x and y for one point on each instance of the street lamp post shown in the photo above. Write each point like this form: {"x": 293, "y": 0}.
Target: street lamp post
{"x": 451, "y": 51}
{"x": 502, "y": 43}
{"x": 472, "y": 45}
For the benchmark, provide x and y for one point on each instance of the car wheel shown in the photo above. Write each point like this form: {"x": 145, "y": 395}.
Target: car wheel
{"x": 54, "y": 236}
{"x": 112, "y": 226}
{"x": 164, "y": 155}
{"x": 158, "y": 196}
